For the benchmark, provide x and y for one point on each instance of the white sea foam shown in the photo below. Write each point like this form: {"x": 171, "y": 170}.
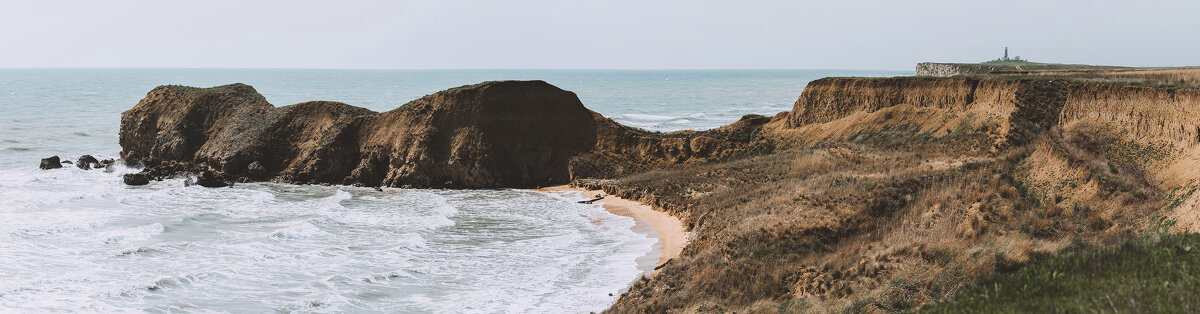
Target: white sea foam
{"x": 299, "y": 230}
{"x": 78, "y": 240}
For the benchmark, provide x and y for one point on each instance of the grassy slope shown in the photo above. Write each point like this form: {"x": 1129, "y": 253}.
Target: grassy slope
{"x": 1152, "y": 274}
{"x": 1158, "y": 77}
{"x": 889, "y": 218}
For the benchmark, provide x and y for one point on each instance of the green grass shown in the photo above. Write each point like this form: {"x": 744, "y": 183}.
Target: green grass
{"x": 1156, "y": 273}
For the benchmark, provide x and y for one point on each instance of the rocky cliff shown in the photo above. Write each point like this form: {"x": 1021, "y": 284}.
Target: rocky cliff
{"x": 935, "y": 69}
{"x": 871, "y": 195}
{"x": 493, "y": 134}
{"x": 1149, "y": 131}
{"x": 887, "y": 194}
{"x": 938, "y": 69}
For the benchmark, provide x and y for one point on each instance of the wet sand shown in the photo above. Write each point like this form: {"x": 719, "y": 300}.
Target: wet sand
{"x": 668, "y": 229}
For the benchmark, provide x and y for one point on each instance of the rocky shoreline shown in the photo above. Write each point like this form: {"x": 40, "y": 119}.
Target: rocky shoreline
{"x": 865, "y": 183}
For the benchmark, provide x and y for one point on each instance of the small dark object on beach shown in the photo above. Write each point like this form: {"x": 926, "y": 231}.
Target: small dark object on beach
{"x": 664, "y": 264}
{"x": 136, "y": 179}
{"x": 51, "y": 162}
{"x": 593, "y": 200}
{"x": 209, "y": 179}
{"x": 86, "y": 162}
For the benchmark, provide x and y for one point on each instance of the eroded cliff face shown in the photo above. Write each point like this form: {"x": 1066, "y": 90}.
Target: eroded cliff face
{"x": 1003, "y": 112}
{"x": 1144, "y": 135}
{"x": 887, "y": 194}
{"x": 1150, "y": 132}
{"x": 493, "y": 134}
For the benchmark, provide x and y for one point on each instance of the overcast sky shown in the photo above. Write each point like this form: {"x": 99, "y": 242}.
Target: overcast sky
{"x": 609, "y": 34}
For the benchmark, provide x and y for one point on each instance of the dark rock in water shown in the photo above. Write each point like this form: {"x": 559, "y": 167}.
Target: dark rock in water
{"x": 86, "y": 162}
{"x": 67, "y": 162}
{"x": 107, "y": 162}
{"x": 256, "y": 169}
{"x": 211, "y": 180}
{"x": 137, "y": 179}
{"x": 51, "y": 162}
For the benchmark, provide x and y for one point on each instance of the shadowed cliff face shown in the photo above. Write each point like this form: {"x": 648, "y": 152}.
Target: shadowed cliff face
{"x": 493, "y": 134}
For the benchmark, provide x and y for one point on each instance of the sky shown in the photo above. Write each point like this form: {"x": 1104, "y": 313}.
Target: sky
{"x": 584, "y": 34}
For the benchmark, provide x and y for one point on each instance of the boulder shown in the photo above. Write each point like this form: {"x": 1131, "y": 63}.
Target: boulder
{"x": 51, "y": 162}
{"x": 256, "y": 169}
{"x": 209, "y": 179}
{"x": 86, "y": 162}
{"x": 136, "y": 178}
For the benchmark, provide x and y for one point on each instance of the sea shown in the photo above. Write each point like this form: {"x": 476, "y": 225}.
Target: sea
{"x": 74, "y": 240}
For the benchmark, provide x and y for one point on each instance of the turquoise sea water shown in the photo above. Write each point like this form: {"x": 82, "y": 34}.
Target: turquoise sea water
{"x": 77, "y": 240}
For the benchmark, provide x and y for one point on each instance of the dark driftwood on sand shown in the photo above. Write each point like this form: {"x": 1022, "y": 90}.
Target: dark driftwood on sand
{"x": 593, "y": 200}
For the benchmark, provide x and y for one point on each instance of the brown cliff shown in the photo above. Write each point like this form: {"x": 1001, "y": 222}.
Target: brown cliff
{"x": 493, "y": 134}
{"x": 888, "y": 194}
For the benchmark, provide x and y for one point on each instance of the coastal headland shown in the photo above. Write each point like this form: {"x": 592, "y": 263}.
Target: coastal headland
{"x": 872, "y": 194}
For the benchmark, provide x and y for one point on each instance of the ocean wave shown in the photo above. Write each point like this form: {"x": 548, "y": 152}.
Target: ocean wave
{"x": 660, "y": 118}
{"x": 333, "y": 201}
{"x": 167, "y": 282}
{"x": 46, "y": 223}
{"x": 646, "y": 117}
{"x": 299, "y": 230}
{"x": 411, "y": 241}
{"x": 139, "y": 233}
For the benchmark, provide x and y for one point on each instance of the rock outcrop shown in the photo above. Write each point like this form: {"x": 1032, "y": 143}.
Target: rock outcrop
{"x": 1005, "y": 112}
{"x": 136, "y": 178}
{"x": 87, "y": 162}
{"x": 209, "y": 179}
{"x": 938, "y": 69}
{"x": 620, "y": 150}
{"x": 493, "y": 134}
{"x": 52, "y": 162}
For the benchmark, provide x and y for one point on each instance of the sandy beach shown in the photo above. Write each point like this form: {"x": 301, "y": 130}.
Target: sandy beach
{"x": 668, "y": 229}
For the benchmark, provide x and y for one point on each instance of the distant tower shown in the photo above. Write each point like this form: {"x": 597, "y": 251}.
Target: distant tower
{"x": 1005, "y": 53}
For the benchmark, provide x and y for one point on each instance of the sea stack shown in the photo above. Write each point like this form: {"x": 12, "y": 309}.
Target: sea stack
{"x": 492, "y": 134}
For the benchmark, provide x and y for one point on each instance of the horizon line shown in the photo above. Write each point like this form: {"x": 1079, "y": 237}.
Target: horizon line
{"x": 448, "y": 69}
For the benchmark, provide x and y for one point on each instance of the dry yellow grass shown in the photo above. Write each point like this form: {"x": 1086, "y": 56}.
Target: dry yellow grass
{"x": 879, "y": 210}
{"x": 1169, "y": 77}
